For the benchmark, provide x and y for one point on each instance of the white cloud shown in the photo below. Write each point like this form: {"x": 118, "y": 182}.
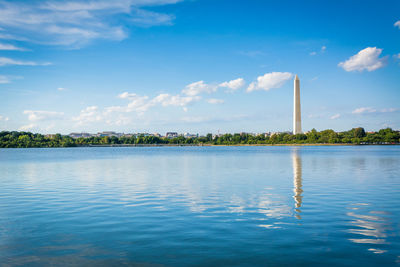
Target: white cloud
{"x": 174, "y": 100}
{"x": 233, "y": 85}
{"x": 89, "y": 114}
{"x": 334, "y": 117}
{"x": 4, "y": 79}
{"x": 366, "y": 59}
{"x": 363, "y": 110}
{"x": 215, "y": 101}
{"x": 397, "y": 24}
{"x": 254, "y": 53}
{"x": 140, "y": 104}
{"x": 39, "y": 115}
{"x": 386, "y": 110}
{"x": 11, "y": 47}
{"x": 269, "y": 81}
{"x": 199, "y": 87}
{"x": 61, "y": 89}
{"x": 9, "y": 61}
{"x": 76, "y": 23}
{"x": 27, "y": 127}
{"x": 323, "y": 48}
{"x": 2, "y": 118}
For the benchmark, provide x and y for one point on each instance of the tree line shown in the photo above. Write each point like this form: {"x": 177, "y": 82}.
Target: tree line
{"x": 14, "y": 139}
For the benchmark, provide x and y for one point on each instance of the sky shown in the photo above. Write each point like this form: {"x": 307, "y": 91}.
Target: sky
{"x": 198, "y": 66}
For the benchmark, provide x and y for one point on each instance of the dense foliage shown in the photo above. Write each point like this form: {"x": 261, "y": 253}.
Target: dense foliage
{"x": 354, "y": 136}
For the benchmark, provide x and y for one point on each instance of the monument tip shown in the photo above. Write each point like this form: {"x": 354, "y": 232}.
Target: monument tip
{"x": 297, "y": 77}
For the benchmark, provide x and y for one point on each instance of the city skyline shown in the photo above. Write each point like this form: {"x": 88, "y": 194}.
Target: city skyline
{"x": 197, "y": 66}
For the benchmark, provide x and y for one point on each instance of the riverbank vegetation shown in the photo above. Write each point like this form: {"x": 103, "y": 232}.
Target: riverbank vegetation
{"x": 353, "y": 136}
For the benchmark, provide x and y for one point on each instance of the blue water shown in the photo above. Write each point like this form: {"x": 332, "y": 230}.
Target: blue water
{"x": 200, "y": 206}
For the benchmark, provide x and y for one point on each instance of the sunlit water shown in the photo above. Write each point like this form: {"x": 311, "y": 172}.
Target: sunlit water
{"x": 200, "y": 206}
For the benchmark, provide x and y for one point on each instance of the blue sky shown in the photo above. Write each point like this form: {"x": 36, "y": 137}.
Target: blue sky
{"x": 198, "y": 66}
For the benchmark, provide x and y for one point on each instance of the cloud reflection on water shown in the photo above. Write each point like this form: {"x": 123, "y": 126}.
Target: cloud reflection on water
{"x": 371, "y": 228}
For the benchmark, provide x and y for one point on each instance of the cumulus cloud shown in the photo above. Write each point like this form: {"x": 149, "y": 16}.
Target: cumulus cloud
{"x": 40, "y": 115}
{"x": 233, "y": 85}
{"x": 366, "y": 59}
{"x": 9, "y": 61}
{"x": 363, "y": 110}
{"x": 89, "y": 114}
{"x": 76, "y": 23}
{"x": 199, "y": 87}
{"x": 215, "y": 101}
{"x": 397, "y": 24}
{"x": 174, "y": 100}
{"x": 269, "y": 81}
{"x": 334, "y": 117}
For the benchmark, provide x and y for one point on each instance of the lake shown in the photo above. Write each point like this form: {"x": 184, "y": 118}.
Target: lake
{"x": 200, "y": 206}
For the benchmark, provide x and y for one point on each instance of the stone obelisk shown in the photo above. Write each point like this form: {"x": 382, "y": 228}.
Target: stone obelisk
{"x": 296, "y": 107}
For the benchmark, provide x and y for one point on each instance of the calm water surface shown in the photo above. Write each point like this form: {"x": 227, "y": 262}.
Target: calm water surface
{"x": 200, "y": 206}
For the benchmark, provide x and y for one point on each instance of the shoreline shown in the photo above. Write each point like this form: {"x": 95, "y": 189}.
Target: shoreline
{"x": 205, "y": 145}
{"x": 212, "y": 145}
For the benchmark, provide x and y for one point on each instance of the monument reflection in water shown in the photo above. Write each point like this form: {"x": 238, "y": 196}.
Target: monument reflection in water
{"x": 297, "y": 181}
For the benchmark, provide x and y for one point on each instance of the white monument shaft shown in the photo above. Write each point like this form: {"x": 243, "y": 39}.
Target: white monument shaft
{"x": 296, "y": 107}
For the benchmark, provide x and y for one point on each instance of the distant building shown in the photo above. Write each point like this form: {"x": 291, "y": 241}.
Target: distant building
{"x": 109, "y": 134}
{"x": 171, "y": 134}
{"x": 79, "y": 135}
{"x": 188, "y": 135}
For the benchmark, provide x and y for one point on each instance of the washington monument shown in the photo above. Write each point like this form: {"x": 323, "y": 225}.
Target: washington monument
{"x": 296, "y": 107}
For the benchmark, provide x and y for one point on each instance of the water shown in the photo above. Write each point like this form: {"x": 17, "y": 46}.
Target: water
{"x": 200, "y": 206}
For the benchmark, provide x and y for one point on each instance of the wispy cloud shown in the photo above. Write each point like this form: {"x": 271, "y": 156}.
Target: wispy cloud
{"x": 76, "y": 23}
{"x": 40, "y": 115}
{"x": 252, "y": 53}
{"x": 27, "y": 127}
{"x": 269, "y": 81}
{"x": 9, "y": 61}
{"x": 2, "y": 118}
{"x": 4, "y": 79}
{"x": 334, "y": 117}
{"x": 61, "y": 89}
{"x": 366, "y": 59}
{"x": 322, "y": 50}
{"x": 386, "y": 110}
{"x": 215, "y": 101}
{"x": 363, "y": 110}
{"x": 11, "y": 47}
